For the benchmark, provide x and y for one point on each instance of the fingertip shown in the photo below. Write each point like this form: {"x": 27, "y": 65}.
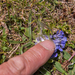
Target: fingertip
{"x": 48, "y": 45}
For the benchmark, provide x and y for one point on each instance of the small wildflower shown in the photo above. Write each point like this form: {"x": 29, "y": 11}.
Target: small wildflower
{"x": 59, "y": 39}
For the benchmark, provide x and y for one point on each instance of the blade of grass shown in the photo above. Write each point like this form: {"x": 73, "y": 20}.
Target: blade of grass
{"x": 29, "y": 24}
{"x": 25, "y": 45}
{"x": 15, "y": 42}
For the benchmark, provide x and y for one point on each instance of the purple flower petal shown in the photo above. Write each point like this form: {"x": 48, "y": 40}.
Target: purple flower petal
{"x": 51, "y": 36}
{"x": 64, "y": 39}
{"x": 46, "y": 37}
{"x": 63, "y": 45}
{"x": 60, "y": 49}
{"x": 60, "y": 32}
{"x": 63, "y": 42}
{"x": 54, "y": 55}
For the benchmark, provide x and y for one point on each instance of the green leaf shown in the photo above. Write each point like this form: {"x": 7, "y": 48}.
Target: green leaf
{"x": 3, "y": 56}
{"x": 17, "y": 53}
{"x": 72, "y": 71}
{"x": 66, "y": 55}
{"x": 28, "y": 44}
{"x": 71, "y": 45}
{"x": 21, "y": 49}
{"x": 59, "y": 68}
{"x": 48, "y": 73}
{"x": 73, "y": 60}
{"x": 27, "y": 32}
{"x": 71, "y": 65}
{"x": 4, "y": 35}
{"x": 22, "y": 28}
{"x": 3, "y": 31}
{"x": 4, "y": 48}
{"x": 40, "y": 0}
{"x": 44, "y": 71}
{"x": 24, "y": 38}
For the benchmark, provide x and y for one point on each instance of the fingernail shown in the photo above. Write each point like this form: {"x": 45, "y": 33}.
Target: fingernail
{"x": 48, "y": 44}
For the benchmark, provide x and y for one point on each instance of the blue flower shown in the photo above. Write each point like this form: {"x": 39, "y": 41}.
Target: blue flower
{"x": 59, "y": 39}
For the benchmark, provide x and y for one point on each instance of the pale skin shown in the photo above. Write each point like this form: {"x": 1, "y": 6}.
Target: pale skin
{"x": 30, "y": 61}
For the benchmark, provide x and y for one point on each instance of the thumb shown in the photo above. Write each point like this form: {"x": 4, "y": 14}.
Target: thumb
{"x": 30, "y": 61}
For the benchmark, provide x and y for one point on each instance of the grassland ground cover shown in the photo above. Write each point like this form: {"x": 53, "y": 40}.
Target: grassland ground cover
{"x": 21, "y": 22}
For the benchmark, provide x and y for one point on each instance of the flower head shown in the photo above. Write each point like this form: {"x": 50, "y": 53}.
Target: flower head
{"x": 59, "y": 39}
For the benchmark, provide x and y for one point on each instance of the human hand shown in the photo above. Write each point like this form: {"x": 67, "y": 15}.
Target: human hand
{"x": 30, "y": 61}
